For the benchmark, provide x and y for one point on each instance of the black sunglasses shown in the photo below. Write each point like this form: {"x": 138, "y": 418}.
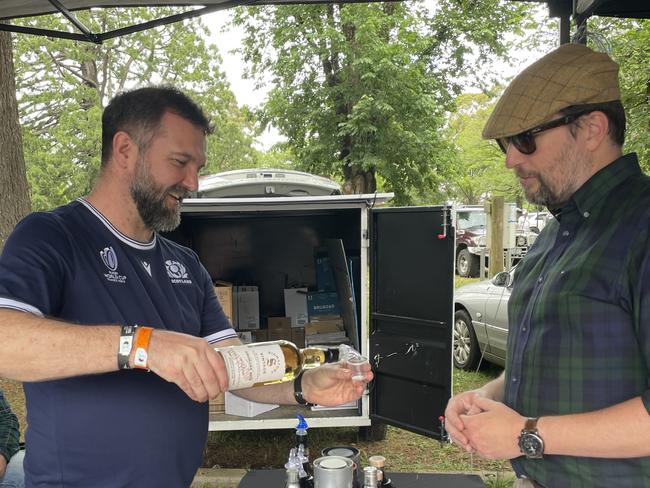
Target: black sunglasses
{"x": 525, "y": 142}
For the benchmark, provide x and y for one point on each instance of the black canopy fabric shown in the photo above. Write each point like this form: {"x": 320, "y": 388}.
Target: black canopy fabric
{"x": 14, "y": 9}
{"x": 580, "y": 9}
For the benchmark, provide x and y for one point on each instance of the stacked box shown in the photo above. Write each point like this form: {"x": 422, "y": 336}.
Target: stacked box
{"x": 295, "y": 306}
{"x": 223, "y": 290}
{"x": 248, "y": 308}
{"x": 217, "y": 405}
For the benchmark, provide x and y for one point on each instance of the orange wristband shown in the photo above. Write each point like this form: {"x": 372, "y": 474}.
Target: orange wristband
{"x": 142, "y": 336}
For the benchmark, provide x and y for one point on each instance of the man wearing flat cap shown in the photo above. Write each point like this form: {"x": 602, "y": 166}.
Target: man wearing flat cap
{"x": 572, "y": 408}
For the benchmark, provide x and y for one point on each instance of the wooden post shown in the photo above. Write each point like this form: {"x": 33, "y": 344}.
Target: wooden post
{"x": 496, "y": 235}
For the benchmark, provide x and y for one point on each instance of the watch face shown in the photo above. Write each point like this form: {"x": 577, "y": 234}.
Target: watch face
{"x": 531, "y": 445}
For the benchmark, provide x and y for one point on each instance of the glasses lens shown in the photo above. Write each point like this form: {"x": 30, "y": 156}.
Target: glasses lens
{"x": 524, "y": 142}
{"x": 503, "y": 145}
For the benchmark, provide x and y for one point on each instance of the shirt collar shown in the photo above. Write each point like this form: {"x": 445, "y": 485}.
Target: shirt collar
{"x": 595, "y": 190}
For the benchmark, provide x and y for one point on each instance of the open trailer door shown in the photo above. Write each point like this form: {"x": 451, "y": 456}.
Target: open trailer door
{"x": 411, "y": 316}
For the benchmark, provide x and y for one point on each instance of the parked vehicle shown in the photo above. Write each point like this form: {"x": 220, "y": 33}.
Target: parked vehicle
{"x": 481, "y": 321}
{"x": 471, "y": 239}
{"x": 257, "y": 182}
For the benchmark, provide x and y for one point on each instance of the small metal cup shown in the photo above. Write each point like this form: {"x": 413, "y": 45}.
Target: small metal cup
{"x": 333, "y": 472}
{"x": 351, "y": 453}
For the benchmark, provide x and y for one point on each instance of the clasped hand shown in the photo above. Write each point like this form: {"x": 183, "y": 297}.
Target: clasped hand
{"x": 478, "y": 424}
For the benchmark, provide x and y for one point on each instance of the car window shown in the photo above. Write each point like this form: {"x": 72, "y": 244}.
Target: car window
{"x": 468, "y": 220}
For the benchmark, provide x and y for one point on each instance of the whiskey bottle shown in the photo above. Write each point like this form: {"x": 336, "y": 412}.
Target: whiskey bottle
{"x": 266, "y": 363}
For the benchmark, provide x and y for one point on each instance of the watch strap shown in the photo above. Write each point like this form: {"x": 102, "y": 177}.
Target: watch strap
{"x": 297, "y": 391}
{"x": 531, "y": 424}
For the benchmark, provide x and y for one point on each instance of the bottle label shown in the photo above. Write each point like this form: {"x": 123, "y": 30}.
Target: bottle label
{"x": 248, "y": 365}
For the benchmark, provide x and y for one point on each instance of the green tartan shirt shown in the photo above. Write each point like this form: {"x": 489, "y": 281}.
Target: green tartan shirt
{"x": 9, "y": 430}
{"x": 579, "y": 321}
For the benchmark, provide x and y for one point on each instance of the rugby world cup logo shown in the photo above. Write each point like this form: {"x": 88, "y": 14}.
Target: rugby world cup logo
{"x": 109, "y": 258}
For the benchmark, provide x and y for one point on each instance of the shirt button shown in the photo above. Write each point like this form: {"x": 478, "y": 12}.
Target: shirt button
{"x": 539, "y": 280}
{"x": 514, "y": 380}
{"x": 565, "y": 233}
{"x": 523, "y": 328}
{"x": 586, "y": 215}
{"x": 562, "y": 272}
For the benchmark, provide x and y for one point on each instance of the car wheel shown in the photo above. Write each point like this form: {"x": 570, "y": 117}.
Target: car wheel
{"x": 466, "y": 350}
{"x": 467, "y": 264}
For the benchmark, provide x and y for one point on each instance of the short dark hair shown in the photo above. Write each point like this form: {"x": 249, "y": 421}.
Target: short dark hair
{"x": 614, "y": 112}
{"x": 139, "y": 112}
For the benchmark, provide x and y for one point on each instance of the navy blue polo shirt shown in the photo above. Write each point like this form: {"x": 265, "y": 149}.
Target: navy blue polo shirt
{"x": 127, "y": 428}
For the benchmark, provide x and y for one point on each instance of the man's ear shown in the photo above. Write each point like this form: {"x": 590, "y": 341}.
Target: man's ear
{"x": 597, "y": 129}
{"x": 125, "y": 150}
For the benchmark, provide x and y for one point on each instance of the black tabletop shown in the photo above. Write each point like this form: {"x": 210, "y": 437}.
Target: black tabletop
{"x": 275, "y": 478}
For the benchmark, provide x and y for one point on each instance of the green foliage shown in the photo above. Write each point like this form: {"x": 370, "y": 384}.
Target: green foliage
{"x": 629, "y": 41}
{"x": 479, "y": 169}
{"x": 63, "y": 86}
{"x": 361, "y": 91}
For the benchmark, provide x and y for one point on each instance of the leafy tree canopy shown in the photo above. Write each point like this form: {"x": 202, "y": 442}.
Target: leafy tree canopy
{"x": 63, "y": 86}
{"x": 479, "y": 169}
{"x": 629, "y": 41}
{"x": 361, "y": 91}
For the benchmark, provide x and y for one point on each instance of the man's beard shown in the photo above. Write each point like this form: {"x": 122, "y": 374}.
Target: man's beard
{"x": 150, "y": 199}
{"x": 554, "y": 194}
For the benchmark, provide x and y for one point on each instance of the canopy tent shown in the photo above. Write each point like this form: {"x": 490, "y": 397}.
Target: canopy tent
{"x": 13, "y": 9}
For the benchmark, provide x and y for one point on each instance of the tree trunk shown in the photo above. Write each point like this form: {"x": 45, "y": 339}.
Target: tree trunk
{"x": 358, "y": 180}
{"x": 14, "y": 192}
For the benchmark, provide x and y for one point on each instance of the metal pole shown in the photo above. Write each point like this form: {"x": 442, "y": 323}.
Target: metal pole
{"x": 565, "y": 29}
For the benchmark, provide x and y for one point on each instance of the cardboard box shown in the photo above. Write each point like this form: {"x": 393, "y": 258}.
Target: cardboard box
{"x": 280, "y": 334}
{"x": 323, "y": 303}
{"x": 223, "y": 290}
{"x": 245, "y": 408}
{"x": 295, "y": 306}
{"x": 327, "y": 318}
{"x": 245, "y": 336}
{"x": 279, "y": 323}
{"x": 248, "y": 308}
{"x": 324, "y": 273}
{"x": 218, "y": 405}
{"x": 298, "y": 336}
{"x": 323, "y": 327}
{"x": 260, "y": 335}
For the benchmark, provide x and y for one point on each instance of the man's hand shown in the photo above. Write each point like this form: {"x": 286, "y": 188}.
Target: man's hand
{"x": 188, "y": 361}
{"x": 459, "y": 406}
{"x": 330, "y": 385}
{"x": 494, "y": 432}
{"x": 3, "y": 466}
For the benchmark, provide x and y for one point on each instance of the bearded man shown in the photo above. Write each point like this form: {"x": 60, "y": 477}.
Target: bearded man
{"x": 80, "y": 281}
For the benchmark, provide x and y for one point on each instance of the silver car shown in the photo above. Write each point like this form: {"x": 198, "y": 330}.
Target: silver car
{"x": 481, "y": 321}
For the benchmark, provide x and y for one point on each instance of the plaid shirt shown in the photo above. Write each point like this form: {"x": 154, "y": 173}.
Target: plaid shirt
{"x": 579, "y": 315}
{"x": 9, "y": 432}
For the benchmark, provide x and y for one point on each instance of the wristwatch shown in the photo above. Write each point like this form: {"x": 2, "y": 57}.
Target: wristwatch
{"x": 531, "y": 443}
{"x": 297, "y": 391}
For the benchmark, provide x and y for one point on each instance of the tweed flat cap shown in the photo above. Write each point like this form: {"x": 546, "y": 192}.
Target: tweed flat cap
{"x": 572, "y": 74}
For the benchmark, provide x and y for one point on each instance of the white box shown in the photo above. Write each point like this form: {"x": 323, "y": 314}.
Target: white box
{"x": 248, "y": 308}
{"x": 295, "y": 306}
{"x": 245, "y": 408}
